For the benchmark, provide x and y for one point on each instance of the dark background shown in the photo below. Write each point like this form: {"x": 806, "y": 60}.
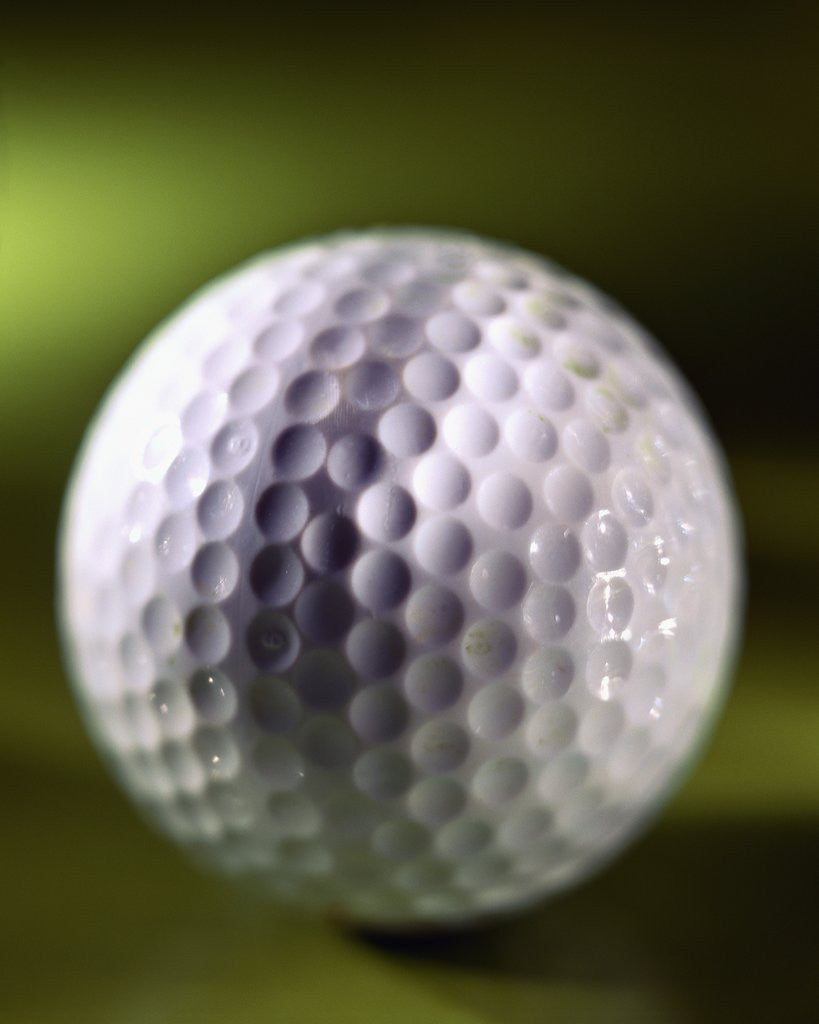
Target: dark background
{"x": 668, "y": 154}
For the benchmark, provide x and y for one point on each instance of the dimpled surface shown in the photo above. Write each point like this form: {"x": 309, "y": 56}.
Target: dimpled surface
{"x": 398, "y": 575}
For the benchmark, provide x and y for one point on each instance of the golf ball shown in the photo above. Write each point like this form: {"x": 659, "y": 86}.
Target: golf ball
{"x": 399, "y": 575}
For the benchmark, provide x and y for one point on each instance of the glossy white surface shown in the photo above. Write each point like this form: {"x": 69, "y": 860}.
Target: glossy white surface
{"x": 398, "y": 573}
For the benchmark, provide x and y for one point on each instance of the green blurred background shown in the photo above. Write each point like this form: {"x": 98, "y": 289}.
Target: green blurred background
{"x": 666, "y": 153}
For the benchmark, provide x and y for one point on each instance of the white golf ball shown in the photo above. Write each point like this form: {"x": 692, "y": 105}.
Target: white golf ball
{"x": 399, "y": 574}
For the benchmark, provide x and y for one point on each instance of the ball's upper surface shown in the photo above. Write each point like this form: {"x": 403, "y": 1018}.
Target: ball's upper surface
{"x": 398, "y": 573}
